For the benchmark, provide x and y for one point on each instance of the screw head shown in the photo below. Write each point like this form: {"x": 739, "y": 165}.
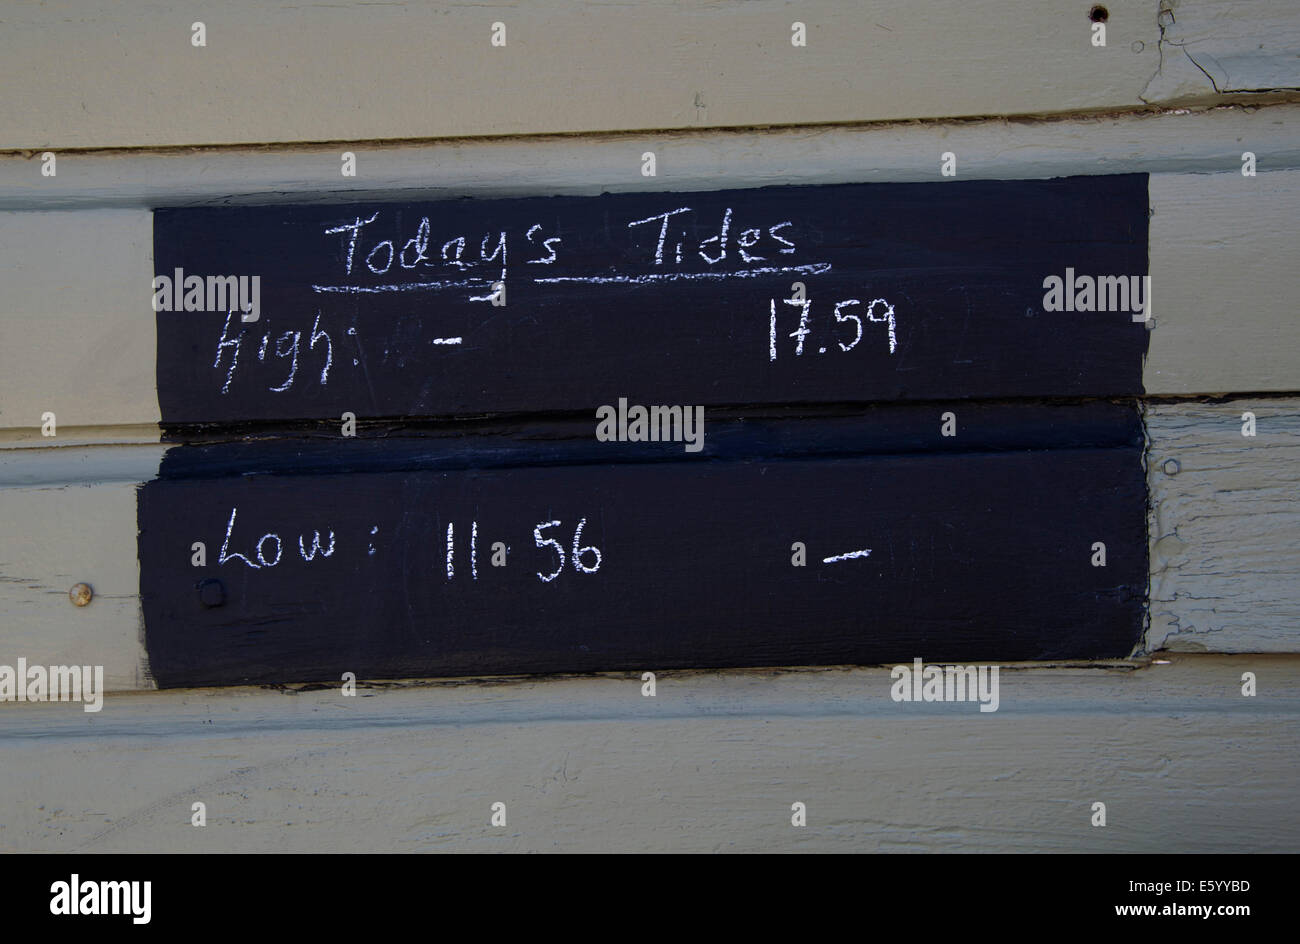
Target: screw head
{"x": 80, "y": 594}
{"x": 211, "y": 592}
{"x": 1171, "y": 466}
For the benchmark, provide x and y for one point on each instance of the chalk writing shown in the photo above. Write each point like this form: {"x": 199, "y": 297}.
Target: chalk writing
{"x": 879, "y": 310}
{"x": 287, "y": 347}
{"x": 752, "y": 244}
{"x": 268, "y": 550}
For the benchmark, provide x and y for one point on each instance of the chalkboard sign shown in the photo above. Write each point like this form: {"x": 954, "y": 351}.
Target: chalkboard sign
{"x": 821, "y": 340}
{"x": 857, "y": 536}
{"x": 469, "y": 307}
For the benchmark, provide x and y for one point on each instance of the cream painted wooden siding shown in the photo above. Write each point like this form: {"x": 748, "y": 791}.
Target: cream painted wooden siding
{"x": 712, "y": 763}
{"x": 125, "y": 73}
{"x": 100, "y": 73}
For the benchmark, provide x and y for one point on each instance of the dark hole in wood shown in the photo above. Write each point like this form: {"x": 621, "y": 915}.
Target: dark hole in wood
{"x": 1099, "y": 14}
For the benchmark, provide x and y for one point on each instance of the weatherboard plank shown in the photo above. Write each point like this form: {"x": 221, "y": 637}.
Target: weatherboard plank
{"x": 1225, "y": 563}
{"x": 80, "y": 341}
{"x": 913, "y": 291}
{"x": 945, "y": 555}
{"x": 416, "y": 70}
{"x": 711, "y": 763}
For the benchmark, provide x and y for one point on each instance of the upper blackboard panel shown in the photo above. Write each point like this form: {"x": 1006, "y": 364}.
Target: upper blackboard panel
{"x": 911, "y": 291}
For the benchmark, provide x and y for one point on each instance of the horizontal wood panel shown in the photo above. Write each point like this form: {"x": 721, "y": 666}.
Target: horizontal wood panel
{"x": 1230, "y": 47}
{"x": 1181, "y": 141}
{"x": 1218, "y": 241}
{"x": 1225, "y": 561}
{"x": 912, "y": 291}
{"x": 59, "y": 536}
{"x": 730, "y": 433}
{"x": 698, "y": 562}
{"x": 355, "y": 71}
{"x": 712, "y": 763}
{"x": 76, "y": 329}
{"x": 1224, "y": 280}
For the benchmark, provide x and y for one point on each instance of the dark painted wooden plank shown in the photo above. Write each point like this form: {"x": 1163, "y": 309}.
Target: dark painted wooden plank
{"x": 962, "y": 263}
{"x": 755, "y": 433}
{"x": 974, "y": 556}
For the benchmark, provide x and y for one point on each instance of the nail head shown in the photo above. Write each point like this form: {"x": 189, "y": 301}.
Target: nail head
{"x": 211, "y": 592}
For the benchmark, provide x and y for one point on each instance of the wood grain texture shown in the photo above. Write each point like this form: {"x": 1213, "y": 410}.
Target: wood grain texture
{"x": 86, "y": 462}
{"x": 1217, "y": 46}
{"x": 1225, "y": 275}
{"x": 1194, "y": 140}
{"x": 75, "y": 318}
{"x": 1225, "y": 560}
{"x": 57, "y": 536}
{"x": 712, "y": 763}
{"x": 357, "y": 70}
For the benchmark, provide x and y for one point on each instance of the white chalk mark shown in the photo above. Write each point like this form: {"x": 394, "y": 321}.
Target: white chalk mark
{"x": 445, "y": 341}
{"x": 451, "y": 549}
{"x": 295, "y": 337}
{"x": 849, "y": 556}
{"x": 355, "y": 229}
{"x": 315, "y": 547}
{"x": 663, "y": 229}
{"x": 401, "y": 286}
{"x": 546, "y": 243}
{"x": 224, "y": 342}
{"x": 771, "y": 231}
{"x": 316, "y": 335}
{"x": 816, "y": 268}
{"x": 771, "y": 334}
{"x": 888, "y": 316}
{"x": 225, "y": 546}
{"x": 803, "y": 330}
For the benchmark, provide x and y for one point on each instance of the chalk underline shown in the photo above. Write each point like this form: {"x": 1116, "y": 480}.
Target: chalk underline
{"x": 849, "y": 556}
{"x": 816, "y": 268}
{"x": 402, "y": 287}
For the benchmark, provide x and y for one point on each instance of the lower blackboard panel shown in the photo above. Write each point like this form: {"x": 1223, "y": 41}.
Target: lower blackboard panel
{"x": 395, "y": 574}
